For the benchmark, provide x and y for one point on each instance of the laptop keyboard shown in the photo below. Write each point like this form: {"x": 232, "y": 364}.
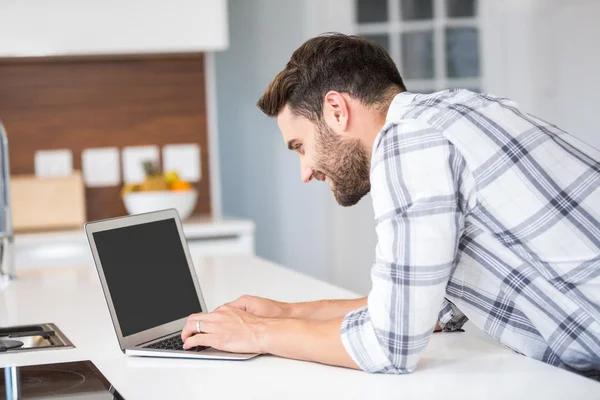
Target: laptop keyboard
{"x": 173, "y": 343}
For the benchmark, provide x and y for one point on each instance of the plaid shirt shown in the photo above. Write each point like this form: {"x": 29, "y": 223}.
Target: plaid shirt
{"x": 485, "y": 212}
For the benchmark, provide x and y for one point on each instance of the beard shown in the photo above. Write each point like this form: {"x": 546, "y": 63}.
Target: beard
{"x": 345, "y": 162}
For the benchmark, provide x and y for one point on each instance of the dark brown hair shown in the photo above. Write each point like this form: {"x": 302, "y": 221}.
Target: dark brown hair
{"x": 333, "y": 61}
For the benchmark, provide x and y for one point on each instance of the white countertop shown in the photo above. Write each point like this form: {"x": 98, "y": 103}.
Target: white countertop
{"x": 455, "y": 365}
{"x": 193, "y": 227}
{"x": 70, "y": 247}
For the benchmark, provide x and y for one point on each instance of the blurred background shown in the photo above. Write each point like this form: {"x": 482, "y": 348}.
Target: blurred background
{"x": 137, "y": 104}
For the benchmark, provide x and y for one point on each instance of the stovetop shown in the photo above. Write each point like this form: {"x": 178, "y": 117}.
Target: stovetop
{"x": 32, "y": 337}
{"x": 73, "y": 380}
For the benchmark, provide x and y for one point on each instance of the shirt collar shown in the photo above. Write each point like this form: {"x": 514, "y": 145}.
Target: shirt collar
{"x": 400, "y": 100}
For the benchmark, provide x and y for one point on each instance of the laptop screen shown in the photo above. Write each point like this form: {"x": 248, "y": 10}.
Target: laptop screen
{"x": 147, "y": 275}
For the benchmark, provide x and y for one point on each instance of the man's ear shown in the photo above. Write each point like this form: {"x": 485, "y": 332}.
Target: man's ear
{"x": 336, "y": 111}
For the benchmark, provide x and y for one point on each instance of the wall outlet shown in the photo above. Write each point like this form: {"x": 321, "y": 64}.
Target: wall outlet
{"x": 53, "y": 163}
{"x": 183, "y": 159}
{"x": 133, "y": 157}
{"x": 101, "y": 167}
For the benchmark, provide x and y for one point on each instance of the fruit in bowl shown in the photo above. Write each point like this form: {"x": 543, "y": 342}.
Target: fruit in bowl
{"x": 159, "y": 191}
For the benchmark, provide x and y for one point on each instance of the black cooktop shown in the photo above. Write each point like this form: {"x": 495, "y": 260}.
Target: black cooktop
{"x": 80, "y": 380}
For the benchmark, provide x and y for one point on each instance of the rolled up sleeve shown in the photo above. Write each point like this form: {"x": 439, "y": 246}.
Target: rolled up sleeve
{"x": 417, "y": 183}
{"x": 451, "y": 318}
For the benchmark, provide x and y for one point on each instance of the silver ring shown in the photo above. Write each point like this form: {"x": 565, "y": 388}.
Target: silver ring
{"x": 198, "y": 326}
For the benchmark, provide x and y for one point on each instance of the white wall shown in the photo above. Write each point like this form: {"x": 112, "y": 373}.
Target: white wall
{"x": 298, "y": 225}
{"x": 573, "y": 68}
{"x": 507, "y": 50}
{"x": 545, "y": 55}
{"x": 260, "y": 177}
{"x": 353, "y": 245}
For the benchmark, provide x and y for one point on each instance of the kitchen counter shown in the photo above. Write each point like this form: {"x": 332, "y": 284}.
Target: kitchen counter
{"x": 70, "y": 248}
{"x": 193, "y": 227}
{"x": 455, "y": 365}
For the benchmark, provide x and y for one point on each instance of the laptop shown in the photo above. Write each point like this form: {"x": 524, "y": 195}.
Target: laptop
{"x": 149, "y": 283}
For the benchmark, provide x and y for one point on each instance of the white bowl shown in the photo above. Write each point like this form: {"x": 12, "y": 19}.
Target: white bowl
{"x": 142, "y": 202}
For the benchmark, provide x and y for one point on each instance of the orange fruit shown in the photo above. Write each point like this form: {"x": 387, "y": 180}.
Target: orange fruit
{"x": 180, "y": 186}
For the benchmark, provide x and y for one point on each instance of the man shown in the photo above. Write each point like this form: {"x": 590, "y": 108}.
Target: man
{"x": 483, "y": 212}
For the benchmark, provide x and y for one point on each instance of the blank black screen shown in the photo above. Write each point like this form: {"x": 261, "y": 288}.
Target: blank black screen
{"x": 147, "y": 275}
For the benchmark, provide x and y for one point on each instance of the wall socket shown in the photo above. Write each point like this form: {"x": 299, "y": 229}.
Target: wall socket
{"x": 133, "y": 157}
{"x": 53, "y": 163}
{"x": 101, "y": 167}
{"x": 183, "y": 159}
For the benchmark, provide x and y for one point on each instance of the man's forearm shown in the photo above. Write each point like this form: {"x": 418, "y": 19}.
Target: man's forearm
{"x": 308, "y": 340}
{"x": 324, "y": 310}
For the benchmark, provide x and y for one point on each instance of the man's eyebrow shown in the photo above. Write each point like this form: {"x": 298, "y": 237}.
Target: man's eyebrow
{"x": 292, "y": 143}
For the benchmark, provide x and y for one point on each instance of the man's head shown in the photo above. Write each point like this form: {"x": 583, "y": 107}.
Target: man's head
{"x": 330, "y": 102}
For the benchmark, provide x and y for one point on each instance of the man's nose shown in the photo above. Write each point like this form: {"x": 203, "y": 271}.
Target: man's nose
{"x": 306, "y": 174}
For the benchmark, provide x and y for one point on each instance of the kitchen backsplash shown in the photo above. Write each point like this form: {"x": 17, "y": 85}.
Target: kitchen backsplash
{"x": 107, "y": 105}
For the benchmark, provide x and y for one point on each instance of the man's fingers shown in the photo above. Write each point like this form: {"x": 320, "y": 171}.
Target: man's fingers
{"x": 205, "y": 326}
{"x": 199, "y": 316}
{"x": 202, "y": 339}
{"x": 241, "y": 302}
{"x": 187, "y": 331}
{"x": 229, "y": 306}
{"x": 191, "y": 326}
{"x": 203, "y": 317}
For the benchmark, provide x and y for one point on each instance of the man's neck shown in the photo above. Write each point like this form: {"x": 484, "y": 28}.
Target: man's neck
{"x": 378, "y": 122}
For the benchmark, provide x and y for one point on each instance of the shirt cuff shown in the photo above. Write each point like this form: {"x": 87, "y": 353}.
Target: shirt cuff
{"x": 363, "y": 346}
{"x": 450, "y": 317}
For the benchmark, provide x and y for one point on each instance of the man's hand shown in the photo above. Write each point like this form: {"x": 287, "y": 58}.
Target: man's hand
{"x": 235, "y": 330}
{"x": 260, "y": 306}
{"x": 227, "y": 329}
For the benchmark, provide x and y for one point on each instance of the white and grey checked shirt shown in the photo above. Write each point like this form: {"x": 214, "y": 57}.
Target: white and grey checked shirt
{"x": 487, "y": 213}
